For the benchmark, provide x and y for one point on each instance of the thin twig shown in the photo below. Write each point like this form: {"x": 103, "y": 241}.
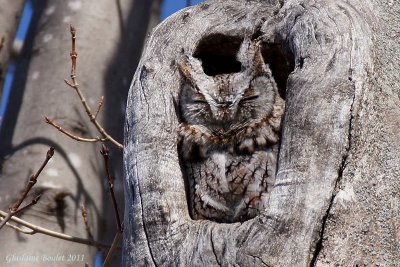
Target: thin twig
{"x": 37, "y": 229}
{"x": 33, "y": 178}
{"x": 112, "y": 250}
{"x": 6, "y": 219}
{"x": 33, "y": 202}
{"x": 2, "y": 41}
{"x": 73, "y": 54}
{"x": 74, "y": 84}
{"x": 18, "y": 229}
{"x": 77, "y": 138}
{"x": 105, "y": 152}
{"x": 32, "y": 181}
{"x": 86, "y": 221}
{"x": 99, "y": 105}
{"x": 13, "y": 213}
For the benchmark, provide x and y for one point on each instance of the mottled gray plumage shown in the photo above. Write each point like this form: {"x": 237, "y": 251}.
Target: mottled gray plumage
{"x": 229, "y": 135}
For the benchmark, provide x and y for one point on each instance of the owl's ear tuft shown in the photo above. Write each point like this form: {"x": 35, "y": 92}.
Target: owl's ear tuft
{"x": 191, "y": 71}
{"x": 251, "y": 58}
{"x": 184, "y": 70}
{"x": 255, "y": 55}
{"x": 246, "y": 53}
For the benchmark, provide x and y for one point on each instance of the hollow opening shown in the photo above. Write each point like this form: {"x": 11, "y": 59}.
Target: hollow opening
{"x": 280, "y": 63}
{"x": 217, "y": 53}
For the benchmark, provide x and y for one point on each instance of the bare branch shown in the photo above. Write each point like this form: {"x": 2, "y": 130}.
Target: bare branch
{"x": 33, "y": 202}
{"x": 18, "y": 229}
{"x": 6, "y": 219}
{"x": 105, "y": 152}
{"x": 99, "y": 105}
{"x": 32, "y": 181}
{"x": 37, "y": 229}
{"x": 86, "y": 221}
{"x": 113, "y": 248}
{"x": 2, "y": 41}
{"x": 74, "y": 84}
{"x": 13, "y": 213}
{"x": 73, "y": 54}
{"x": 77, "y": 138}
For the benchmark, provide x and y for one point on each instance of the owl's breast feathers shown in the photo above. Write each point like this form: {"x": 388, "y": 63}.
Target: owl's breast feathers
{"x": 228, "y": 188}
{"x": 229, "y": 136}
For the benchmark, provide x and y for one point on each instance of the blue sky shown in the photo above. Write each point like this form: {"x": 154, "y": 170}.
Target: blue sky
{"x": 171, "y": 6}
{"x": 168, "y": 7}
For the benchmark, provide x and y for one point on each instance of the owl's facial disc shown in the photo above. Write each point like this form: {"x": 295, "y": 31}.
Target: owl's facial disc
{"x": 223, "y": 110}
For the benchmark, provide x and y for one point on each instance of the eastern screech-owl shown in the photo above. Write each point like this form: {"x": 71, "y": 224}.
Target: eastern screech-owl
{"x": 228, "y": 137}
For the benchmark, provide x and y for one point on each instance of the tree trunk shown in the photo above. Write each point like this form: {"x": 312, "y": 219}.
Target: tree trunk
{"x": 335, "y": 198}
{"x": 106, "y": 32}
{"x": 9, "y": 18}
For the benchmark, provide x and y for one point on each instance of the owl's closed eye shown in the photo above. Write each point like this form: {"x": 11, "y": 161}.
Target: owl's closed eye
{"x": 229, "y": 136}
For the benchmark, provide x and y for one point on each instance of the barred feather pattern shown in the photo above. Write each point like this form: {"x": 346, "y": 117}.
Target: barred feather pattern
{"x": 228, "y": 138}
{"x": 229, "y": 180}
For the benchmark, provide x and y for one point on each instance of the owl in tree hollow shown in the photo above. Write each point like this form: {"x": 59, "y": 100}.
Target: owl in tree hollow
{"x": 228, "y": 138}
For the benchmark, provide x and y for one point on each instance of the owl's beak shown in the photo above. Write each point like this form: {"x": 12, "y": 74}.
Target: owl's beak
{"x": 225, "y": 104}
{"x": 224, "y": 113}
{"x": 225, "y": 117}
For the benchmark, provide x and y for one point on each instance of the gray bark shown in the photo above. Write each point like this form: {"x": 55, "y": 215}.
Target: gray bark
{"x": 335, "y": 201}
{"x": 107, "y": 31}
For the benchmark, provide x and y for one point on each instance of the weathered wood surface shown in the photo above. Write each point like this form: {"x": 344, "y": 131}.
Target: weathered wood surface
{"x": 335, "y": 162}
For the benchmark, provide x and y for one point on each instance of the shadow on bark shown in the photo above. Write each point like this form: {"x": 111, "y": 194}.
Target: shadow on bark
{"x": 18, "y": 87}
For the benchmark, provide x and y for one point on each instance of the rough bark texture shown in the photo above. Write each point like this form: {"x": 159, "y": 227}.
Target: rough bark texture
{"x": 335, "y": 201}
{"x": 363, "y": 223}
{"x": 109, "y": 41}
